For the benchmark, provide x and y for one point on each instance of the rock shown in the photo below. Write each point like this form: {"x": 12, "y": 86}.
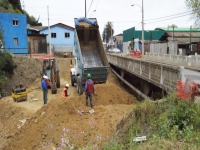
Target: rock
{"x": 35, "y": 120}
{"x": 33, "y": 117}
{"x": 42, "y": 113}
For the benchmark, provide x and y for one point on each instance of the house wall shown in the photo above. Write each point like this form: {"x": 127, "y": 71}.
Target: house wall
{"x": 119, "y": 42}
{"x": 37, "y": 44}
{"x": 60, "y": 36}
{"x": 14, "y": 31}
{"x": 126, "y": 48}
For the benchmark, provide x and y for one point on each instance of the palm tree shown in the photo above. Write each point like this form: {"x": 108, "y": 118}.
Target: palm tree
{"x": 108, "y": 31}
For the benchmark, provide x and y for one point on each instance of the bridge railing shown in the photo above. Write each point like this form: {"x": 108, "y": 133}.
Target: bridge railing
{"x": 162, "y": 75}
{"x": 192, "y": 60}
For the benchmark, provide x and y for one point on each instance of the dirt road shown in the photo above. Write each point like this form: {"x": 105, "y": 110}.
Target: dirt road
{"x": 46, "y": 124}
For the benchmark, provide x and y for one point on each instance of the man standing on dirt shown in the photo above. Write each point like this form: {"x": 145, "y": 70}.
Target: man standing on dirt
{"x": 89, "y": 90}
{"x": 44, "y": 89}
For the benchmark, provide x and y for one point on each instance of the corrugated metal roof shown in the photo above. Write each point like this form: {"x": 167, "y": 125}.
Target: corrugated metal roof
{"x": 61, "y": 25}
{"x": 178, "y": 29}
{"x": 184, "y": 34}
{"x": 38, "y": 27}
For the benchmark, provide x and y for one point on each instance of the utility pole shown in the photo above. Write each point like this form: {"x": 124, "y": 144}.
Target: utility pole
{"x": 49, "y": 31}
{"x": 111, "y": 36}
{"x": 142, "y": 29}
{"x": 190, "y": 38}
{"x": 85, "y": 9}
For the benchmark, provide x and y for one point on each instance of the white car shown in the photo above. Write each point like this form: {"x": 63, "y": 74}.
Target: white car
{"x": 116, "y": 50}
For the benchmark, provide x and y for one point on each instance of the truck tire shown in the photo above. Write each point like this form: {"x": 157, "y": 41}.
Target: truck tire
{"x": 72, "y": 82}
{"x": 53, "y": 91}
{"x": 80, "y": 88}
{"x": 58, "y": 81}
{"x": 77, "y": 84}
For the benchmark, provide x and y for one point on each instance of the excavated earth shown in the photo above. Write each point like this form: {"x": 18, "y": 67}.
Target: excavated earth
{"x": 32, "y": 125}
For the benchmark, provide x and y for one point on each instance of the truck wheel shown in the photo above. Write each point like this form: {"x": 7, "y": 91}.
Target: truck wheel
{"x": 77, "y": 84}
{"x": 58, "y": 81}
{"x": 72, "y": 82}
{"x": 80, "y": 89}
{"x": 53, "y": 91}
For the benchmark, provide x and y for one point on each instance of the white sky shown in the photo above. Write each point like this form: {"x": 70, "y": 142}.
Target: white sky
{"x": 157, "y": 13}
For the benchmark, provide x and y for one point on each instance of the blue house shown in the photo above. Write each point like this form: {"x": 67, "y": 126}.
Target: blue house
{"x": 61, "y": 34}
{"x": 15, "y": 33}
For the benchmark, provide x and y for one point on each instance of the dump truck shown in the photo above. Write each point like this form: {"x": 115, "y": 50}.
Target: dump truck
{"x": 51, "y": 71}
{"x": 89, "y": 53}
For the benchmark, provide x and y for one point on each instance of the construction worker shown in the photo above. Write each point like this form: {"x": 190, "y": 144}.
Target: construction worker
{"x": 44, "y": 89}
{"x": 89, "y": 89}
{"x": 65, "y": 93}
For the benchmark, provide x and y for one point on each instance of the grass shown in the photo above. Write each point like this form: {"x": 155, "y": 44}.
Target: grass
{"x": 169, "y": 123}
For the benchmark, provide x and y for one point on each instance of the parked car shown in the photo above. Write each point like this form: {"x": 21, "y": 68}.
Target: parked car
{"x": 116, "y": 50}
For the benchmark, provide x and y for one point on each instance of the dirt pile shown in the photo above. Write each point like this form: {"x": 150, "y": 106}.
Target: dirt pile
{"x": 65, "y": 119}
{"x": 26, "y": 72}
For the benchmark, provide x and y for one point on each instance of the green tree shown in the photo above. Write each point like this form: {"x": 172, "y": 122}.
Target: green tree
{"x": 16, "y": 4}
{"x": 2, "y": 42}
{"x": 194, "y": 5}
{"x": 108, "y": 31}
{"x": 4, "y": 4}
{"x": 32, "y": 20}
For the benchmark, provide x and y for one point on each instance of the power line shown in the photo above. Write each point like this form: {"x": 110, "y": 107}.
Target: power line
{"x": 89, "y": 7}
{"x": 168, "y": 16}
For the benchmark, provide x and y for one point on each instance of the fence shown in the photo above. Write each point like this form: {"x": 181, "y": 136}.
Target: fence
{"x": 63, "y": 48}
{"x": 192, "y": 60}
{"x": 170, "y": 47}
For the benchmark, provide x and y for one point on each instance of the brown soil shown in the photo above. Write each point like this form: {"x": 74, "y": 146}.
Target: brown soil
{"x": 44, "y": 123}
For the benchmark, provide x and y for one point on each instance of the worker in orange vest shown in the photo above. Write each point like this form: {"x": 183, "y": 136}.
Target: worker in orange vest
{"x": 65, "y": 93}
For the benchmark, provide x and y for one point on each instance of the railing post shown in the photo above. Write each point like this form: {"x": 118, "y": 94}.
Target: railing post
{"x": 150, "y": 71}
{"x": 161, "y": 75}
{"x": 133, "y": 66}
{"x": 140, "y": 68}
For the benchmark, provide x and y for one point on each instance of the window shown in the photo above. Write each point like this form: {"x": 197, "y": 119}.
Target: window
{"x": 67, "y": 35}
{"x": 16, "y": 41}
{"x": 53, "y": 35}
{"x": 15, "y": 22}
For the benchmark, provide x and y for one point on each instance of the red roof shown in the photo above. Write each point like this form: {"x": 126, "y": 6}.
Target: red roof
{"x": 61, "y": 25}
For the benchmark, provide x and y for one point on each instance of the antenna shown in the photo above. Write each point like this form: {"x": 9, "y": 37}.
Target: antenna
{"x": 23, "y": 5}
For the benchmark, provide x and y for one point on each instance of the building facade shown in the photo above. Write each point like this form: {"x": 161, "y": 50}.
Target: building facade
{"x": 15, "y": 33}
{"x": 36, "y": 41}
{"x": 61, "y": 35}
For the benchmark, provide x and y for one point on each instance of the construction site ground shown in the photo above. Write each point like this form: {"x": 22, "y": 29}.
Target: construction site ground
{"x": 32, "y": 125}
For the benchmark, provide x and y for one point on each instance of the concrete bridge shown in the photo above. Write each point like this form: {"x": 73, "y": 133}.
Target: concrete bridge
{"x": 151, "y": 72}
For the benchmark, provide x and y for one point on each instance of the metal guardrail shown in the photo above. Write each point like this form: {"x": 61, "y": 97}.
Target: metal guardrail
{"x": 192, "y": 60}
{"x": 162, "y": 75}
